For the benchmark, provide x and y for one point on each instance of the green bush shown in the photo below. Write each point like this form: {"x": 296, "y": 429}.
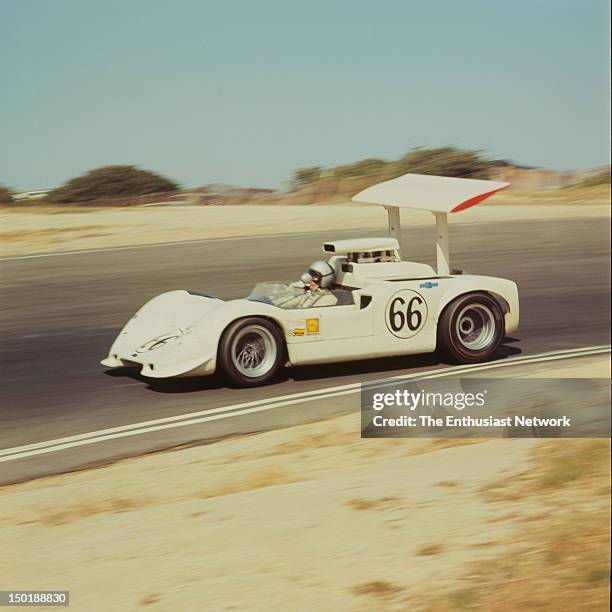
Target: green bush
{"x": 111, "y": 182}
{"x": 366, "y": 167}
{"x": 444, "y": 161}
{"x": 5, "y": 195}
{"x": 305, "y": 176}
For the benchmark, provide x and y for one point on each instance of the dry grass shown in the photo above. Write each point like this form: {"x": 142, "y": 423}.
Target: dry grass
{"x": 564, "y": 463}
{"x": 429, "y": 550}
{"x": 147, "y": 600}
{"x": 70, "y": 514}
{"x": 49, "y": 232}
{"x": 76, "y": 510}
{"x": 48, "y": 209}
{"x": 563, "y": 562}
{"x": 384, "y": 503}
{"x": 564, "y": 567}
{"x": 573, "y": 194}
{"x": 378, "y": 588}
{"x": 447, "y": 484}
{"x": 264, "y": 476}
{"x": 334, "y": 436}
{"x": 438, "y": 443}
{"x": 123, "y": 226}
{"x": 558, "y": 464}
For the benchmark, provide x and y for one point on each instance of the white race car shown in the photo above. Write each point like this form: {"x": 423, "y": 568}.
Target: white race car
{"x": 375, "y": 304}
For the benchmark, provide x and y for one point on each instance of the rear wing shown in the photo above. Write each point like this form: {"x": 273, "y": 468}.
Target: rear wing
{"x": 443, "y": 194}
{"x": 440, "y": 195}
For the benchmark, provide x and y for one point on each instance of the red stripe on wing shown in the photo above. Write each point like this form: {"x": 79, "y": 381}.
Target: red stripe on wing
{"x": 475, "y": 200}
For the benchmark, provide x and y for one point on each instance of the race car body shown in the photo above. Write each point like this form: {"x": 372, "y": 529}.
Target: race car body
{"x": 378, "y": 305}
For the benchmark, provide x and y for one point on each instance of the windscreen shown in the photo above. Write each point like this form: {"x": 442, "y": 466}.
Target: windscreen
{"x": 292, "y": 297}
{"x": 275, "y": 293}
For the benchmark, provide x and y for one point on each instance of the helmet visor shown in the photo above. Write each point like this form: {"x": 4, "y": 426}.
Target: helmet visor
{"x": 306, "y": 278}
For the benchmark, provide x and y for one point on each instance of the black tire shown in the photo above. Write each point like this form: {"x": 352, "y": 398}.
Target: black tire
{"x": 251, "y": 351}
{"x": 471, "y": 328}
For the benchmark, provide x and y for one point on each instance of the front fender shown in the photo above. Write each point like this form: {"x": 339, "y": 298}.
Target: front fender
{"x": 178, "y": 333}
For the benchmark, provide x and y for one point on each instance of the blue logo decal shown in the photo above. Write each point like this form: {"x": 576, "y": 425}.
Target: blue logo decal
{"x": 428, "y": 285}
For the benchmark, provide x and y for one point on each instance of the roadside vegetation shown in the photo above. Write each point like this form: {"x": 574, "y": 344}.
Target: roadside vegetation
{"x": 111, "y": 182}
{"x": 5, "y": 195}
{"x": 132, "y": 186}
{"x": 601, "y": 178}
{"x": 563, "y": 562}
{"x": 423, "y": 525}
{"x": 444, "y": 161}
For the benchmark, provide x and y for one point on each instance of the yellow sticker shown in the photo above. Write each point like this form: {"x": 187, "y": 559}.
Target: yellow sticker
{"x": 298, "y": 331}
{"x": 312, "y": 326}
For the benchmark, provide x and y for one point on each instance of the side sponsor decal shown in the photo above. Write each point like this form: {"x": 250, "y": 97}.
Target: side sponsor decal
{"x": 312, "y": 327}
{"x": 406, "y": 313}
{"x": 297, "y": 328}
{"x": 304, "y": 327}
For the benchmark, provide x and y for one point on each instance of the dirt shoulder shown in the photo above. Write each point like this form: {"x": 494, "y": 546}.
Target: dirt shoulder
{"x": 314, "y": 517}
{"x": 26, "y": 231}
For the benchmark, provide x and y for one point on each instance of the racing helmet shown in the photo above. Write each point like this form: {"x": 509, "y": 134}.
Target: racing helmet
{"x": 306, "y": 278}
{"x": 322, "y": 273}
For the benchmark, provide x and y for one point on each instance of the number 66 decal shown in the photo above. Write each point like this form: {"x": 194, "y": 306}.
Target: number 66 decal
{"x": 406, "y": 313}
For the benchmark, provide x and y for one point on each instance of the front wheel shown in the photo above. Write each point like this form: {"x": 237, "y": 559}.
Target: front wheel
{"x": 471, "y": 328}
{"x": 251, "y": 351}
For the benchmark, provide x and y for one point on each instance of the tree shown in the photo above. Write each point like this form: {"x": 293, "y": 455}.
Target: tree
{"x": 111, "y": 182}
{"x": 365, "y": 167}
{"x": 305, "y": 176}
{"x": 444, "y": 161}
{"x": 5, "y": 195}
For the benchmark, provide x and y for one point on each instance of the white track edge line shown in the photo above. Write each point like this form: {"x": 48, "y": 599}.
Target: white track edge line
{"x": 315, "y": 392}
{"x": 237, "y": 410}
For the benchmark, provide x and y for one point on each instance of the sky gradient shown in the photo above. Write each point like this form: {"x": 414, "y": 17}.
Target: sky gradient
{"x": 245, "y": 92}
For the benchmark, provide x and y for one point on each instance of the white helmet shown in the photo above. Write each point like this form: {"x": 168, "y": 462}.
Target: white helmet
{"x": 322, "y": 273}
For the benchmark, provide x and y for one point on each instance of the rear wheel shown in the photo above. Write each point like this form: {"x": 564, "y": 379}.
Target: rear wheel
{"x": 251, "y": 351}
{"x": 471, "y": 328}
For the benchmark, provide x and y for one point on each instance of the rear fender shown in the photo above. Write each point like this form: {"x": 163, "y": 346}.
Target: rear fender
{"x": 503, "y": 290}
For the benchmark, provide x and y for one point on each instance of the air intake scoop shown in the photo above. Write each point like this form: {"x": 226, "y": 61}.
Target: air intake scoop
{"x": 361, "y": 245}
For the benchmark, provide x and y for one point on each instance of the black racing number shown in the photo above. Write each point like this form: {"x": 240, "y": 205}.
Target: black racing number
{"x": 396, "y": 317}
{"x": 412, "y": 318}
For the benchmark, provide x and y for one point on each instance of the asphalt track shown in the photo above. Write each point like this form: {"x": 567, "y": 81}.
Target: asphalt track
{"x": 60, "y": 314}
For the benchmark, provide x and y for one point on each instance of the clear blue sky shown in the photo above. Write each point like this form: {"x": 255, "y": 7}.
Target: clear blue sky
{"x": 245, "y": 91}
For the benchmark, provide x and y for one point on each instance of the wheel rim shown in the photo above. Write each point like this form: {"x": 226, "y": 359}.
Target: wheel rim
{"x": 476, "y": 327}
{"x": 253, "y": 351}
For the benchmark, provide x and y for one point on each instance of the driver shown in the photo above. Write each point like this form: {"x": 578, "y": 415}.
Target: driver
{"x": 315, "y": 283}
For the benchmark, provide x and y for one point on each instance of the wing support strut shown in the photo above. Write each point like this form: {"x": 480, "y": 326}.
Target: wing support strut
{"x": 442, "y": 250}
